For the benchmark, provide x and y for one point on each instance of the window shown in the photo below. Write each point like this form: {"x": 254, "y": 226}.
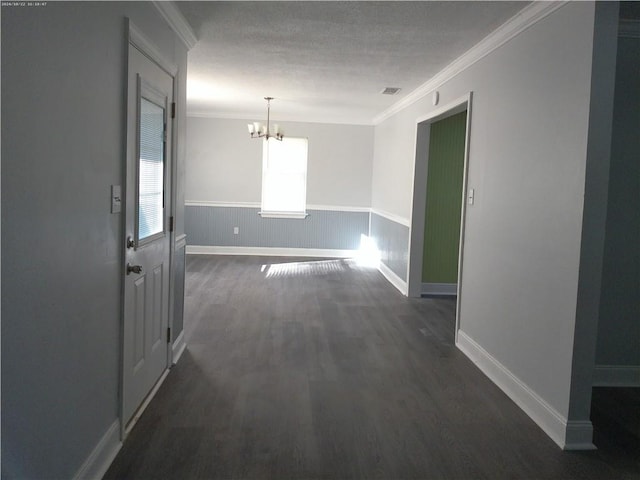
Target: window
{"x": 284, "y": 178}
{"x": 151, "y": 170}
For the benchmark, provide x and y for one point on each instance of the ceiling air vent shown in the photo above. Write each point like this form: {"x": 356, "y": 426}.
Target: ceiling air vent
{"x": 390, "y": 90}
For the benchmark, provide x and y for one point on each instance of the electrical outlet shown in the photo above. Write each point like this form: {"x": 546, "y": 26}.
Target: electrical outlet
{"x": 236, "y": 230}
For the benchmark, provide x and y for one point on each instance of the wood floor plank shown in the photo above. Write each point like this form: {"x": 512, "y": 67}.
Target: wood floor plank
{"x": 319, "y": 369}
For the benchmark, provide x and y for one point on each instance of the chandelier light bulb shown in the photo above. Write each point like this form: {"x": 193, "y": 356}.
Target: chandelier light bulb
{"x": 259, "y": 130}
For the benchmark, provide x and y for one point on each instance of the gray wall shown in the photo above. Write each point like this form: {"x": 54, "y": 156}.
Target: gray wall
{"x": 225, "y": 165}
{"x": 63, "y": 135}
{"x": 527, "y": 164}
{"x": 392, "y": 240}
{"x": 619, "y": 327}
{"x": 322, "y": 229}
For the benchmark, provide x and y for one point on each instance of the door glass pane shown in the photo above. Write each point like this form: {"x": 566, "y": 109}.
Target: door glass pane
{"x": 151, "y": 170}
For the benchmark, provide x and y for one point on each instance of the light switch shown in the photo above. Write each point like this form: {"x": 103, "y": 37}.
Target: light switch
{"x": 116, "y": 199}
{"x": 236, "y": 230}
{"x": 471, "y": 196}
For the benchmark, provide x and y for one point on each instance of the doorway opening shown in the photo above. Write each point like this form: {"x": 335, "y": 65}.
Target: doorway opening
{"x": 439, "y": 202}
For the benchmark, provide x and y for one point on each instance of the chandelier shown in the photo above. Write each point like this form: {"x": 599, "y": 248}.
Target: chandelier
{"x": 258, "y": 130}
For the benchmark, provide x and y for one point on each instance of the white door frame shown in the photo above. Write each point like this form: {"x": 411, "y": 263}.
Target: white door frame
{"x": 416, "y": 234}
{"x": 135, "y": 38}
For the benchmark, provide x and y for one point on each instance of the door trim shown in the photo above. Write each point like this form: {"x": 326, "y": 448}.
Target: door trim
{"x": 419, "y": 195}
{"x": 135, "y": 38}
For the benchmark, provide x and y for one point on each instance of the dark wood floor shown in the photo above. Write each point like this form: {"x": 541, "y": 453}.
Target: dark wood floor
{"x": 301, "y": 369}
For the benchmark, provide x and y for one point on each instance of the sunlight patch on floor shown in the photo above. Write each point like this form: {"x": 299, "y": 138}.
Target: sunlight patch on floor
{"x": 304, "y": 269}
{"x": 368, "y": 256}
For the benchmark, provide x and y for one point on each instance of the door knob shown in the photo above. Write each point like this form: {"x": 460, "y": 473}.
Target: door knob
{"x": 133, "y": 268}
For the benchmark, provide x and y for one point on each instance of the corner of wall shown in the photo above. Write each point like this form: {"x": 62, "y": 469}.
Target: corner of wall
{"x": 549, "y": 419}
{"x": 394, "y": 279}
{"x": 598, "y": 154}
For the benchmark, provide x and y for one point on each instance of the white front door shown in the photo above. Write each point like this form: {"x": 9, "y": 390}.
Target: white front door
{"x": 147, "y": 236}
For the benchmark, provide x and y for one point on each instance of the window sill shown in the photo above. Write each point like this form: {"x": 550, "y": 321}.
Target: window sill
{"x": 297, "y": 215}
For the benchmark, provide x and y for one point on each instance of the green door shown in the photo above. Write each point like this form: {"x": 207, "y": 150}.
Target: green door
{"x": 444, "y": 200}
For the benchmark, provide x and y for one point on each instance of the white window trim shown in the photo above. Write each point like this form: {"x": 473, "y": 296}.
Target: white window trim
{"x": 264, "y": 214}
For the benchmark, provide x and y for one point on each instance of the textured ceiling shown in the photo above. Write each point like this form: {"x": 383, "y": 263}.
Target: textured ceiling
{"x": 325, "y": 61}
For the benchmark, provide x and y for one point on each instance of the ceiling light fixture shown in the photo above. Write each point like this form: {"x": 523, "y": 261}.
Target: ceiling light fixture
{"x": 258, "y": 130}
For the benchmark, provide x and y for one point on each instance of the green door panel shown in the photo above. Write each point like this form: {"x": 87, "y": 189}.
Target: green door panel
{"x": 444, "y": 200}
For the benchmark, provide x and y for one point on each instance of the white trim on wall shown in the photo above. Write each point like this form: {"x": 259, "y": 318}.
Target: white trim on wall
{"x": 328, "y": 208}
{"x": 524, "y": 19}
{"x": 270, "y": 251}
{"x": 178, "y": 347}
{"x": 616, "y": 376}
{"x": 568, "y": 435}
{"x": 146, "y": 46}
{"x": 454, "y": 107}
{"x": 338, "y": 208}
{"x": 418, "y": 195}
{"x": 177, "y": 22}
{"x": 210, "y": 203}
{"x": 392, "y": 216}
{"x": 393, "y": 278}
{"x": 419, "y": 174}
{"x": 181, "y": 242}
{"x": 100, "y": 459}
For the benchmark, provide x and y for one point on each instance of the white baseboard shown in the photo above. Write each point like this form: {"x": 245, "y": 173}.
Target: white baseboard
{"x": 574, "y": 435}
{"x": 98, "y": 462}
{"x": 439, "y": 289}
{"x": 177, "y": 349}
{"x": 269, "y": 251}
{"x": 393, "y": 278}
{"x": 616, "y": 376}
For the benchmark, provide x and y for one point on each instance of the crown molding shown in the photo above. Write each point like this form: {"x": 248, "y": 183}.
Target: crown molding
{"x": 142, "y": 43}
{"x": 629, "y": 28}
{"x": 177, "y": 22}
{"x": 527, "y": 17}
{"x": 327, "y": 120}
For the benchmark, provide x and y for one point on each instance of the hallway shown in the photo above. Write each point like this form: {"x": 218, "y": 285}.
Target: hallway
{"x": 321, "y": 369}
